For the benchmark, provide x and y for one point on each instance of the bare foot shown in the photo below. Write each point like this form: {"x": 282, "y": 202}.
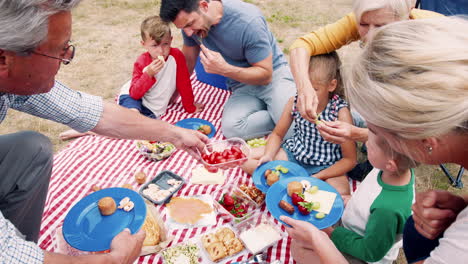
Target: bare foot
{"x": 69, "y": 134}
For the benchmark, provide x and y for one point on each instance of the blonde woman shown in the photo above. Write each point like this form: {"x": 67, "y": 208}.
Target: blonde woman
{"x": 366, "y": 16}
{"x": 411, "y": 85}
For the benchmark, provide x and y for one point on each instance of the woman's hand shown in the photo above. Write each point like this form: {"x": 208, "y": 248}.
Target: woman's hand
{"x": 308, "y": 236}
{"x": 335, "y": 131}
{"x": 434, "y": 211}
{"x": 307, "y": 101}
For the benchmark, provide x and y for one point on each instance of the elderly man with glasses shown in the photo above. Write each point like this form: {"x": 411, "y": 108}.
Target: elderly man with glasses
{"x": 34, "y": 40}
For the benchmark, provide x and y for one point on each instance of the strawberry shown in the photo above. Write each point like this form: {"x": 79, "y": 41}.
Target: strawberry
{"x": 297, "y": 198}
{"x": 228, "y": 200}
{"x": 304, "y": 208}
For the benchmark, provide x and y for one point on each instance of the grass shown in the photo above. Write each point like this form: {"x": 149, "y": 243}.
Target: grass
{"x": 107, "y": 38}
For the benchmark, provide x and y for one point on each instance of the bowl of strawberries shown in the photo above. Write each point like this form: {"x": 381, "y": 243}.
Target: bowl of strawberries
{"x": 225, "y": 154}
{"x": 232, "y": 203}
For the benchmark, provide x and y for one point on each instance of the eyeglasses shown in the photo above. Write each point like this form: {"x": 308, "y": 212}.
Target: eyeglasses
{"x": 67, "y": 57}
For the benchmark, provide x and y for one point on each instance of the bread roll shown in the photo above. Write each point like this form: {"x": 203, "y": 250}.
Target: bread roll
{"x": 272, "y": 178}
{"x": 107, "y": 206}
{"x": 294, "y": 187}
{"x": 152, "y": 230}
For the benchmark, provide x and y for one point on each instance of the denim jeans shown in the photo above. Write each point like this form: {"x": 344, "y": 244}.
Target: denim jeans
{"x": 253, "y": 109}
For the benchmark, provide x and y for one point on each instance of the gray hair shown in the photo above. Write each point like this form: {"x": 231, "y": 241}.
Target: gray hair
{"x": 400, "y": 8}
{"x": 24, "y": 23}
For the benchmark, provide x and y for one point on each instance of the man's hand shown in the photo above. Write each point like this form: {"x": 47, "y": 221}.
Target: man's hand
{"x": 435, "y": 210}
{"x": 154, "y": 67}
{"x": 125, "y": 247}
{"x": 189, "y": 140}
{"x": 304, "y": 233}
{"x": 307, "y": 101}
{"x": 335, "y": 131}
{"x": 213, "y": 62}
{"x": 199, "y": 107}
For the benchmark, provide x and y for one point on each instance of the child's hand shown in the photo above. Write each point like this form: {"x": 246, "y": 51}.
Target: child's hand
{"x": 154, "y": 67}
{"x": 264, "y": 159}
{"x": 199, "y": 107}
{"x": 335, "y": 131}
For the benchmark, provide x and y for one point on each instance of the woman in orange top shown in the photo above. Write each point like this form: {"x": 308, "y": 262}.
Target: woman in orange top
{"x": 366, "y": 16}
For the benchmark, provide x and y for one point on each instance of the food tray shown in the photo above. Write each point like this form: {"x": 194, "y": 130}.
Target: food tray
{"x": 155, "y": 151}
{"x": 169, "y": 252}
{"x": 161, "y": 180}
{"x": 226, "y": 259}
{"x": 220, "y": 146}
{"x": 255, "y": 221}
{"x": 245, "y": 201}
{"x": 260, "y": 203}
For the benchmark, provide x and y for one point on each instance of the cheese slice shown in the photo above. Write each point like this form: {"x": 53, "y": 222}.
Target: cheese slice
{"x": 200, "y": 175}
{"x": 326, "y": 200}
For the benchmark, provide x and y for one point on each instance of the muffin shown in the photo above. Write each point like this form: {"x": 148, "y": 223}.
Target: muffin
{"x": 107, "y": 206}
{"x": 294, "y": 187}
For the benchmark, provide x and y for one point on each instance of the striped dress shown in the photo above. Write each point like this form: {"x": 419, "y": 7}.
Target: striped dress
{"x": 307, "y": 145}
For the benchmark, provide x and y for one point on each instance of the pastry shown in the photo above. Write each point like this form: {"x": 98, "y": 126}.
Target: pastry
{"x": 267, "y": 172}
{"x": 272, "y": 178}
{"x": 153, "y": 232}
{"x": 209, "y": 239}
{"x": 216, "y": 251}
{"x": 294, "y": 187}
{"x": 205, "y": 129}
{"x": 140, "y": 177}
{"x": 225, "y": 234}
{"x": 233, "y": 246}
{"x": 107, "y": 206}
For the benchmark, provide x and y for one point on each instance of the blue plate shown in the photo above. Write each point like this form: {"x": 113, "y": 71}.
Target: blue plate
{"x": 84, "y": 227}
{"x": 258, "y": 176}
{"x": 195, "y": 123}
{"x": 278, "y": 191}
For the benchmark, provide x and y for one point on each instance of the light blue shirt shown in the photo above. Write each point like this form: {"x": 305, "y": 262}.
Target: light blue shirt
{"x": 77, "y": 110}
{"x": 14, "y": 249}
{"x": 242, "y": 37}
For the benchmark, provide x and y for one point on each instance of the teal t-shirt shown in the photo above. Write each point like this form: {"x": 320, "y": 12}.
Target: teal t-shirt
{"x": 242, "y": 37}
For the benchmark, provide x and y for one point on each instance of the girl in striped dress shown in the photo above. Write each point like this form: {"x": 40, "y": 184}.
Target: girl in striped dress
{"x": 324, "y": 160}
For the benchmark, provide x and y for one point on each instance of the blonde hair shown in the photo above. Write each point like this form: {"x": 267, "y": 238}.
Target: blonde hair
{"x": 412, "y": 78}
{"x": 328, "y": 65}
{"x": 155, "y": 28}
{"x": 402, "y": 161}
{"x": 401, "y": 8}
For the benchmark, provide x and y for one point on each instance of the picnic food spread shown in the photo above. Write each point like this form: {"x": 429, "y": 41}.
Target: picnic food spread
{"x": 181, "y": 254}
{"x": 107, "y": 206}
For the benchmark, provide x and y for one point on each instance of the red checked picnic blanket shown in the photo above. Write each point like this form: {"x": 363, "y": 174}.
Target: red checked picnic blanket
{"x": 95, "y": 160}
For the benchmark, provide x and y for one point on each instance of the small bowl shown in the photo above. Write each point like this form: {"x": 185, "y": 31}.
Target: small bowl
{"x": 243, "y": 199}
{"x": 253, "y": 222}
{"x": 155, "y": 151}
{"x": 220, "y": 146}
{"x": 161, "y": 181}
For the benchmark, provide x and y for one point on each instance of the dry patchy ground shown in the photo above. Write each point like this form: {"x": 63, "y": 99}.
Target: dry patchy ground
{"x": 107, "y": 38}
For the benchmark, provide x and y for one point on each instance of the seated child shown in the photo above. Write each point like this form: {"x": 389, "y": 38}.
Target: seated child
{"x": 159, "y": 76}
{"x": 323, "y": 160}
{"x": 374, "y": 218}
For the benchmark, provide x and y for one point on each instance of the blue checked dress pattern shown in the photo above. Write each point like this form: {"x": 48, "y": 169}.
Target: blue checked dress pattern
{"x": 307, "y": 145}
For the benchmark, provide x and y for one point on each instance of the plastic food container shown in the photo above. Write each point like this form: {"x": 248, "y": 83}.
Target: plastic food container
{"x": 241, "y": 199}
{"x": 258, "y": 233}
{"x": 189, "y": 249}
{"x": 204, "y": 251}
{"x": 163, "y": 180}
{"x": 221, "y": 147}
{"x": 155, "y": 151}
